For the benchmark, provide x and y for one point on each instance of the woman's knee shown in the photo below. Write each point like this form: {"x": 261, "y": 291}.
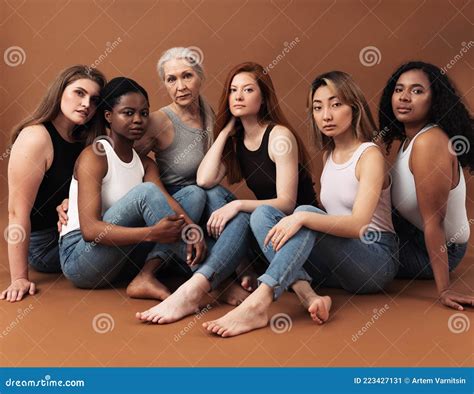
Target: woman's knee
{"x": 309, "y": 208}
{"x": 263, "y": 214}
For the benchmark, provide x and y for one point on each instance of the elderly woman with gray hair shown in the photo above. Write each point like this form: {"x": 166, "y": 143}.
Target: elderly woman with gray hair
{"x": 179, "y": 135}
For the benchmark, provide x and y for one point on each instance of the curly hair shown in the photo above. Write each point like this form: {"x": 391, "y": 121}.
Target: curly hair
{"x": 447, "y": 110}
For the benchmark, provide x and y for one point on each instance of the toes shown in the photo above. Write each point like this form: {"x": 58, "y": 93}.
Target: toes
{"x": 221, "y": 331}
{"x": 215, "y": 328}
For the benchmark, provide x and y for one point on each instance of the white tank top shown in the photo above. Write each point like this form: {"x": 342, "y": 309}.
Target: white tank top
{"x": 456, "y": 225}
{"x": 121, "y": 177}
{"x": 339, "y": 187}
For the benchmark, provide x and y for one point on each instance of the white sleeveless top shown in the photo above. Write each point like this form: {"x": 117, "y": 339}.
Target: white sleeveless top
{"x": 456, "y": 225}
{"x": 339, "y": 187}
{"x": 121, "y": 177}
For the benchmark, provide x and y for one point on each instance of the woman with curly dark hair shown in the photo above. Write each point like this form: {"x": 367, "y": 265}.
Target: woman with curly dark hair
{"x": 421, "y": 108}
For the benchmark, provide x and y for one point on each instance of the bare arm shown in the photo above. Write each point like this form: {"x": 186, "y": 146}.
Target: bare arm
{"x": 30, "y": 157}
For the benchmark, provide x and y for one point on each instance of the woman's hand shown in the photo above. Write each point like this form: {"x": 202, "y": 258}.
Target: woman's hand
{"x": 284, "y": 230}
{"x": 220, "y": 217}
{"x": 167, "y": 230}
{"x": 18, "y": 289}
{"x": 454, "y": 299}
{"x": 62, "y": 214}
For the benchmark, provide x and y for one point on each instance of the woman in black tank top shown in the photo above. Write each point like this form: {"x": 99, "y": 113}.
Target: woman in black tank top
{"x": 45, "y": 148}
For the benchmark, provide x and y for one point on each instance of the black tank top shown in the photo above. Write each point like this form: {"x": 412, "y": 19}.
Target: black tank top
{"x": 55, "y": 185}
{"x": 259, "y": 172}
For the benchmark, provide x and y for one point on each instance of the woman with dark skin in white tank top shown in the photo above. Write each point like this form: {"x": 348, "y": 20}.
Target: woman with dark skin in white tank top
{"x": 421, "y": 108}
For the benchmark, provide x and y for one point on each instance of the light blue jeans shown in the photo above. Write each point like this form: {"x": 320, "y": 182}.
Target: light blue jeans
{"x": 93, "y": 265}
{"x": 224, "y": 254}
{"x": 357, "y": 265}
{"x": 43, "y": 251}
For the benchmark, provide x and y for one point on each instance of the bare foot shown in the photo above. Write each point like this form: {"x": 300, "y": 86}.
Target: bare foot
{"x": 248, "y": 277}
{"x": 183, "y": 302}
{"x": 319, "y": 308}
{"x": 231, "y": 294}
{"x": 147, "y": 286}
{"x": 246, "y": 317}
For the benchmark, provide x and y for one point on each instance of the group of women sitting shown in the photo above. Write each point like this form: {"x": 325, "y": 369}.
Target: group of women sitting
{"x": 83, "y": 154}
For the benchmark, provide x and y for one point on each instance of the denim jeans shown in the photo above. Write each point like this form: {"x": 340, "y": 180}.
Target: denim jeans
{"x": 413, "y": 255}
{"x": 43, "y": 251}
{"x": 357, "y": 265}
{"x": 92, "y": 265}
{"x": 225, "y": 253}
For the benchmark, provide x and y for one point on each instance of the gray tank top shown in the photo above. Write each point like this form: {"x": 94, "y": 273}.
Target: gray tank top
{"x": 178, "y": 163}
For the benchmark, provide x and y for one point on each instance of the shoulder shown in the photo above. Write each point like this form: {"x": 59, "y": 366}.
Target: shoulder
{"x": 159, "y": 120}
{"x": 372, "y": 156}
{"x": 92, "y": 156}
{"x": 281, "y": 140}
{"x": 281, "y": 131}
{"x": 34, "y": 142}
{"x": 433, "y": 141}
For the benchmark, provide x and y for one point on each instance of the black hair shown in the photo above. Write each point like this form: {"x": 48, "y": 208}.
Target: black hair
{"x": 116, "y": 88}
{"x": 447, "y": 111}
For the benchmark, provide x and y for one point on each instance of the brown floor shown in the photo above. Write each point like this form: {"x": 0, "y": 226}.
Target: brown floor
{"x": 55, "y": 328}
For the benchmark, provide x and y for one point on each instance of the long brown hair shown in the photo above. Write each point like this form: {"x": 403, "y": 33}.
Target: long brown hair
{"x": 270, "y": 112}
{"x": 349, "y": 92}
{"x": 50, "y": 106}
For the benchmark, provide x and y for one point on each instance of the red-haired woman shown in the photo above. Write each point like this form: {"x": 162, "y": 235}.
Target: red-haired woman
{"x": 253, "y": 141}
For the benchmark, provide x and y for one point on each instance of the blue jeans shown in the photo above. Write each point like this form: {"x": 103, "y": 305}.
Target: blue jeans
{"x": 225, "y": 253}
{"x": 413, "y": 255}
{"x": 356, "y": 265}
{"x": 92, "y": 265}
{"x": 43, "y": 251}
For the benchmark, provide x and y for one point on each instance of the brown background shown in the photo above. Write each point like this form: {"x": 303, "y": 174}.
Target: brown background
{"x": 57, "y": 34}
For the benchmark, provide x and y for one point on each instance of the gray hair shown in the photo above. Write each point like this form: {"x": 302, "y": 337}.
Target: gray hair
{"x": 189, "y": 55}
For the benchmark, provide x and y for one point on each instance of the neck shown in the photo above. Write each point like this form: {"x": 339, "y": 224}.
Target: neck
{"x": 251, "y": 125}
{"x": 64, "y": 127}
{"x": 411, "y": 129}
{"x": 345, "y": 141}
{"x": 190, "y": 111}
{"x": 122, "y": 146}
